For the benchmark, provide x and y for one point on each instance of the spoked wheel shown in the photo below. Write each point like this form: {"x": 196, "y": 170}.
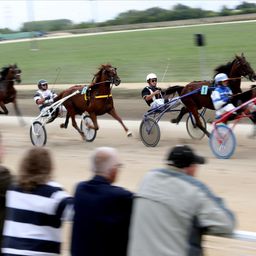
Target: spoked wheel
{"x": 38, "y": 134}
{"x": 149, "y": 132}
{"x": 85, "y": 126}
{"x": 222, "y": 142}
{"x": 193, "y": 131}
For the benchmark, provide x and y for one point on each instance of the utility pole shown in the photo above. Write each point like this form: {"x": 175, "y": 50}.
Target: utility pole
{"x": 200, "y": 42}
{"x": 30, "y": 10}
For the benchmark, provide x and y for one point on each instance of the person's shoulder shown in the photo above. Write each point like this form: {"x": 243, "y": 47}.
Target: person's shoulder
{"x": 55, "y": 185}
{"x": 121, "y": 191}
{"x": 4, "y": 170}
{"x": 37, "y": 93}
{"x": 5, "y": 173}
{"x": 145, "y": 89}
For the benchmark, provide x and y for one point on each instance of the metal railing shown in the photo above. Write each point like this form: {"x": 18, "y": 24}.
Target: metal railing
{"x": 240, "y": 243}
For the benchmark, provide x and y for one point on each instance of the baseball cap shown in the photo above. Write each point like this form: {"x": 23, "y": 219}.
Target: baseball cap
{"x": 183, "y": 156}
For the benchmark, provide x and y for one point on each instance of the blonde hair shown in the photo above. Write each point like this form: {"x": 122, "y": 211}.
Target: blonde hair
{"x": 35, "y": 168}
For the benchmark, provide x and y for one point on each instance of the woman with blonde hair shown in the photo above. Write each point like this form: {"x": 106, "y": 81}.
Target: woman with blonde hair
{"x": 36, "y": 207}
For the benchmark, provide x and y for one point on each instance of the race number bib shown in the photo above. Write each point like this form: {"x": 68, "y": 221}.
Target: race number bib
{"x": 204, "y": 89}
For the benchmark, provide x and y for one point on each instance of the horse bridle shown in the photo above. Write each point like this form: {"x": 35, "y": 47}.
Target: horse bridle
{"x": 245, "y": 67}
{"x": 17, "y": 73}
{"x": 111, "y": 79}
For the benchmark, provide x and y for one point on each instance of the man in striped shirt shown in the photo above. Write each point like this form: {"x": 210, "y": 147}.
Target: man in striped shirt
{"x": 36, "y": 207}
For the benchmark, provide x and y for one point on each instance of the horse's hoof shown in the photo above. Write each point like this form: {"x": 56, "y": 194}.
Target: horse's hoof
{"x": 83, "y": 136}
{"x": 129, "y": 134}
{"x": 174, "y": 121}
{"x": 62, "y": 126}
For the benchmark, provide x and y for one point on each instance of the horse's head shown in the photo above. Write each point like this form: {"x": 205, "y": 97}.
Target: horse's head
{"x": 243, "y": 68}
{"x": 10, "y": 73}
{"x": 110, "y": 74}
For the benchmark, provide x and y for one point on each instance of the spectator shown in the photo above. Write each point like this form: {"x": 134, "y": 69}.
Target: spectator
{"x": 5, "y": 182}
{"x": 102, "y": 211}
{"x": 172, "y": 209}
{"x": 36, "y": 207}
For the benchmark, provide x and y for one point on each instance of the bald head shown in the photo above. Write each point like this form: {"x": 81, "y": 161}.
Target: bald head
{"x": 104, "y": 160}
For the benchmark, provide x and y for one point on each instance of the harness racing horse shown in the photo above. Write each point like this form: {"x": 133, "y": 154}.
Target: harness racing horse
{"x": 236, "y": 69}
{"x": 9, "y": 75}
{"x": 98, "y": 102}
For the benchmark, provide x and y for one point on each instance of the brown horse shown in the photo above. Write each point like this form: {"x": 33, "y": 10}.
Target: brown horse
{"x": 97, "y": 102}
{"x": 9, "y": 75}
{"x": 195, "y": 100}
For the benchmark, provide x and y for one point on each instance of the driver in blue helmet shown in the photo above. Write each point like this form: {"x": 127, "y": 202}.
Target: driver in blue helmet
{"x": 221, "y": 96}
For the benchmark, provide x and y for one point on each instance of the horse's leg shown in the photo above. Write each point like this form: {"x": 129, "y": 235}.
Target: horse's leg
{"x": 199, "y": 124}
{"x": 5, "y": 110}
{"x": 253, "y": 119}
{"x": 65, "y": 125}
{"x": 74, "y": 124}
{"x": 183, "y": 111}
{"x": 95, "y": 122}
{"x": 18, "y": 113}
{"x": 113, "y": 113}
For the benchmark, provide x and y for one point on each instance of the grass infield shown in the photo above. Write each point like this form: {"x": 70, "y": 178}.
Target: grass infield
{"x": 171, "y": 53}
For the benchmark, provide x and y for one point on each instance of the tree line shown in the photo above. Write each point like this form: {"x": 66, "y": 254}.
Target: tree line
{"x": 178, "y": 12}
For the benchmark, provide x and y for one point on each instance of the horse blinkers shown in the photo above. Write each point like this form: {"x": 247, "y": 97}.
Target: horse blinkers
{"x": 113, "y": 77}
{"x": 17, "y": 74}
{"x": 247, "y": 71}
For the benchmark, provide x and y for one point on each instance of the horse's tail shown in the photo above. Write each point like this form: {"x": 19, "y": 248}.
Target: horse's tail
{"x": 174, "y": 89}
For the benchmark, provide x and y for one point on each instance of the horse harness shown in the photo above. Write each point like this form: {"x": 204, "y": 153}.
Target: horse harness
{"x": 87, "y": 95}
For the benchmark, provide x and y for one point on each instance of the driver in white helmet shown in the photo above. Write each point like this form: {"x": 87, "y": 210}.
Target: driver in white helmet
{"x": 153, "y": 95}
{"x": 44, "y": 97}
{"x": 221, "y": 95}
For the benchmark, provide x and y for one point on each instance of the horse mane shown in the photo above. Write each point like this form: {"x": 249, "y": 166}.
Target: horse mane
{"x": 100, "y": 69}
{"x": 4, "y": 73}
{"x": 225, "y": 68}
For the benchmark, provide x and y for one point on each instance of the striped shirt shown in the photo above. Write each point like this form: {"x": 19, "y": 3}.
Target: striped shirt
{"x": 33, "y": 222}
{"x": 40, "y": 94}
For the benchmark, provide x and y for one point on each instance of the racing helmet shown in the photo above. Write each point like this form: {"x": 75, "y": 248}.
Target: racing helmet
{"x": 151, "y": 76}
{"x": 41, "y": 83}
{"x": 220, "y": 78}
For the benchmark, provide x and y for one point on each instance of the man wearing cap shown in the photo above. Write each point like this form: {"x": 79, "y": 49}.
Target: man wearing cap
{"x": 172, "y": 209}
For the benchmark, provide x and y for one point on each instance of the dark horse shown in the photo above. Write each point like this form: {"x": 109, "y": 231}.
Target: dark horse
{"x": 98, "y": 102}
{"x": 236, "y": 69}
{"x": 9, "y": 75}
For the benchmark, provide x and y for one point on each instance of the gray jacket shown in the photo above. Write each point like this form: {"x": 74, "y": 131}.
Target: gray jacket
{"x": 171, "y": 212}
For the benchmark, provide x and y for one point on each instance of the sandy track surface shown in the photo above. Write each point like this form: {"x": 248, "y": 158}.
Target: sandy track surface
{"x": 233, "y": 179}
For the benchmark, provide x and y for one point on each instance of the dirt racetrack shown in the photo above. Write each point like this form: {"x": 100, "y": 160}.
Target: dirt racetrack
{"x": 233, "y": 179}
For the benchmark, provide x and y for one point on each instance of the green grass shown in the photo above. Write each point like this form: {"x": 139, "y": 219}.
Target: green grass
{"x": 134, "y": 54}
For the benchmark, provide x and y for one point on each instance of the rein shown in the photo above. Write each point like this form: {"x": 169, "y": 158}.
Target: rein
{"x": 235, "y": 78}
